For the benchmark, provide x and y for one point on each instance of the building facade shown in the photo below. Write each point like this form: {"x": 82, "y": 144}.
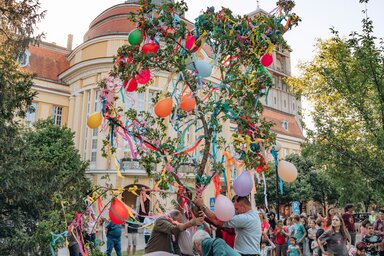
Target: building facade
{"x": 67, "y": 90}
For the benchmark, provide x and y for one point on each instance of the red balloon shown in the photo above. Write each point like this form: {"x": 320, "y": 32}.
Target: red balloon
{"x": 118, "y": 212}
{"x": 151, "y": 47}
{"x": 144, "y": 76}
{"x": 266, "y": 60}
{"x": 130, "y": 85}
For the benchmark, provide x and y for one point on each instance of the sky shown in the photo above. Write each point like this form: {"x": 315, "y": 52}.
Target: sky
{"x": 74, "y": 16}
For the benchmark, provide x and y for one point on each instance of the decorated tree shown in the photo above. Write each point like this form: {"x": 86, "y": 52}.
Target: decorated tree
{"x": 198, "y": 94}
{"x": 344, "y": 82}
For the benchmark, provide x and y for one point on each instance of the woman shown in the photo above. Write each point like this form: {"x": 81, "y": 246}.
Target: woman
{"x": 330, "y": 214}
{"x": 337, "y": 238}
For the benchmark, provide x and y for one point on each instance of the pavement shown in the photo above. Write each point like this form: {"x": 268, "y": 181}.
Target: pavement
{"x": 124, "y": 244}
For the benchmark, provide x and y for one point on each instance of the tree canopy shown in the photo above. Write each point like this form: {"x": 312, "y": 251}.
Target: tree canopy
{"x": 345, "y": 84}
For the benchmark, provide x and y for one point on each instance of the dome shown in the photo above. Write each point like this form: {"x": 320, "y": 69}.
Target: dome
{"x": 114, "y": 20}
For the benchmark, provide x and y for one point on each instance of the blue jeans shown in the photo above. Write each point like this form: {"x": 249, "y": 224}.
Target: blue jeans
{"x": 113, "y": 242}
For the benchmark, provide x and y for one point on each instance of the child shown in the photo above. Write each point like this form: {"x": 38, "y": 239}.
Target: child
{"x": 281, "y": 234}
{"x": 293, "y": 248}
{"x": 359, "y": 250}
{"x": 371, "y": 240}
{"x": 265, "y": 249}
{"x": 314, "y": 248}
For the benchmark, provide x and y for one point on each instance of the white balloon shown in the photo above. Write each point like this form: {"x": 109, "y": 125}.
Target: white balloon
{"x": 277, "y": 146}
{"x": 287, "y": 171}
{"x": 224, "y": 209}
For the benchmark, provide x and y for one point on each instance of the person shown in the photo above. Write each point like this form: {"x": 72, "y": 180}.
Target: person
{"x": 246, "y": 223}
{"x": 359, "y": 250}
{"x": 330, "y": 213}
{"x": 312, "y": 232}
{"x": 306, "y": 244}
{"x": 349, "y": 221}
{"x": 379, "y": 229}
{"x": 363, "y": 228}
{"x": 372, "y": 241}
{"x": 148, "y": 226}
{"x": 293, "y": 248}
{"x": 319, "y": 232}
{"x": 113, "y": 232}
{"x": 300, "y": 232}
{"x": 164, "y": 237}
{"x": 90, "y": 228}
{"x": 281, "y": 234}
{"x": 337, "y": 238}
{"x": 267, "y": 247}
{"x": 207, "y": 246}
{"x": 314, "y": 248}
{"x": 372, "y": 217}
{"x": 131, "y": 230}
{"x": 73, "y": 245}
{"x": 323, "y": 220}
{"x": 264, "y": 225}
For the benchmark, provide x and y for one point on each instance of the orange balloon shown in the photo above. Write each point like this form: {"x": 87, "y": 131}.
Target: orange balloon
{"x": 187, "y": 102}
{"x": 163, "y": 108}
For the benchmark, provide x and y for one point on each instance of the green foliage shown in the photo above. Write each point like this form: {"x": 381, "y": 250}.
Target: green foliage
{"x": 345, "y": 85}
{"x": 43, "y": 173}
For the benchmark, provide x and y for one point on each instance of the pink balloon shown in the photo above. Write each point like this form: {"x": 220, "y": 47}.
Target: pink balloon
{"x": 243, "y": 184}
{"x": 224, "y": 209}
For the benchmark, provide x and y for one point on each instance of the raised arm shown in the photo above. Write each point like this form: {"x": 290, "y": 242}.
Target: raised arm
{"x": 210, "y": 215}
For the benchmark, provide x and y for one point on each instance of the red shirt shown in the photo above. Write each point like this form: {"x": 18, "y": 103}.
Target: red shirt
{"x": 349, "y": 222}
{"x": 280, "y": 238}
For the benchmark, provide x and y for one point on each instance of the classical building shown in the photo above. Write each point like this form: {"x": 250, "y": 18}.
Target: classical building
{"x": 67, "y": 89}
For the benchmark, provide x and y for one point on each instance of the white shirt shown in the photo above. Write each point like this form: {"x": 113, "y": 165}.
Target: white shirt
{"x": 248, "y": 232}
{"x": 148, "y": 222}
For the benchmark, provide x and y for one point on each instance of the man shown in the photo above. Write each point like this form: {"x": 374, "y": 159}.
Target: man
{"x": 349, "y": 222}
{"x": 207, "y": 246}
{"x": 246, "y": 223}
{"x": 113, "y": 232}
{"x": 379, "y": 230}
{"x": 164, "y": 237}
{"x": 372, "y": 240}
{"x": 131, "y": 230}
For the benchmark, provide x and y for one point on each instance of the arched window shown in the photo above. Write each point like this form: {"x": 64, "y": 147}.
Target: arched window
{"x": 23, "y": 59}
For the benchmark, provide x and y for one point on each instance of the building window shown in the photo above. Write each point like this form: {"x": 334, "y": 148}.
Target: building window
{"x": 293, "y": 106}
{"x": 150, "y": 103}
{"x": 284, "y": 124}
{"x": 285, "y": 152}
{"x": 97, "y": 102}
{"x": 57, "y": 115}
{"x": 23, "y": 59}
{"x": 275, "y": 100}
{"x": 95, "y": 133}
{"x": 285, "y": 103}
{"x": 30, "y": 115}
{"x": 140, "y": 102}
{"x": 86, "y": 127}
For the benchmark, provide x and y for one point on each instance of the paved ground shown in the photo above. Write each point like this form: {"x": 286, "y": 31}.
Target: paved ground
{"x": 124, "y": 245}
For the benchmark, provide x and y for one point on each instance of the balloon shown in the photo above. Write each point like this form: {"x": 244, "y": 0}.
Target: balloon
{"x": 95, "y": 120}
{"x": 243, "y": 184}
{"x": 134, "y": 37}
{"x": 287, "y": 171}
{"x": 187, "y": 102}
{"x": 224, "y": 209}
{"x": 118, "y": 212}
{"x": 204, "y": 68}
{"x": 150, "y": 48}
{"x": 163, "y": 108}
{"x": 266, "y": 60}
{"x": 189, "y": 41}
{"x": 130, "y": 85}
{"x": 144, "y": 76}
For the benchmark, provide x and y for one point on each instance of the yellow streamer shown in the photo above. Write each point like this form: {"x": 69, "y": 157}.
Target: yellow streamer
{"x": 248, "y": 141}
{"x": 133, "y": 190}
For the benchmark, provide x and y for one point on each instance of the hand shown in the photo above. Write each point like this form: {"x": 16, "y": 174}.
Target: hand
{"x": 126, "y": 235}
{"x": 199, "y": 221}
{"x": 199, "y": 201}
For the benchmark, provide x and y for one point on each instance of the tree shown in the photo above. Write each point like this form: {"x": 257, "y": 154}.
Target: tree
{"x": 345, "y": 85}
{"x": 237, "y": 44}
{"x": 42, "y": 190}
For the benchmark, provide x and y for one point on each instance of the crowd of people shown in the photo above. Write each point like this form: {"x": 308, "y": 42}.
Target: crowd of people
{"x": 252, "y": 232}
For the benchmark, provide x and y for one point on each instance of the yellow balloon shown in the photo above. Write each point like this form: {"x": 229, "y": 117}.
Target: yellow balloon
{"x": 287, "y": 171}
{"x": 95, "y": 120}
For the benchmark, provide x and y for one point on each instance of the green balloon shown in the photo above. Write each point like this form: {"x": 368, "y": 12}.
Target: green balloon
{"x": 134, "y": 37}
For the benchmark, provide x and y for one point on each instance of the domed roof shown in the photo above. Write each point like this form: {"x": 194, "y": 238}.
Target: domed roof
{"x": 114, "y": 20}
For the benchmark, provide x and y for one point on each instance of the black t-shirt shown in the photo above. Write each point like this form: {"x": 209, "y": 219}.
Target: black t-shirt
{"x": 369, "y": 240}
{"x": 133, "y": 228}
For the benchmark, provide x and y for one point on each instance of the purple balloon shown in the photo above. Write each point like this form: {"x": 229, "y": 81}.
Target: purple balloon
{"x": 243, "y": 184}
